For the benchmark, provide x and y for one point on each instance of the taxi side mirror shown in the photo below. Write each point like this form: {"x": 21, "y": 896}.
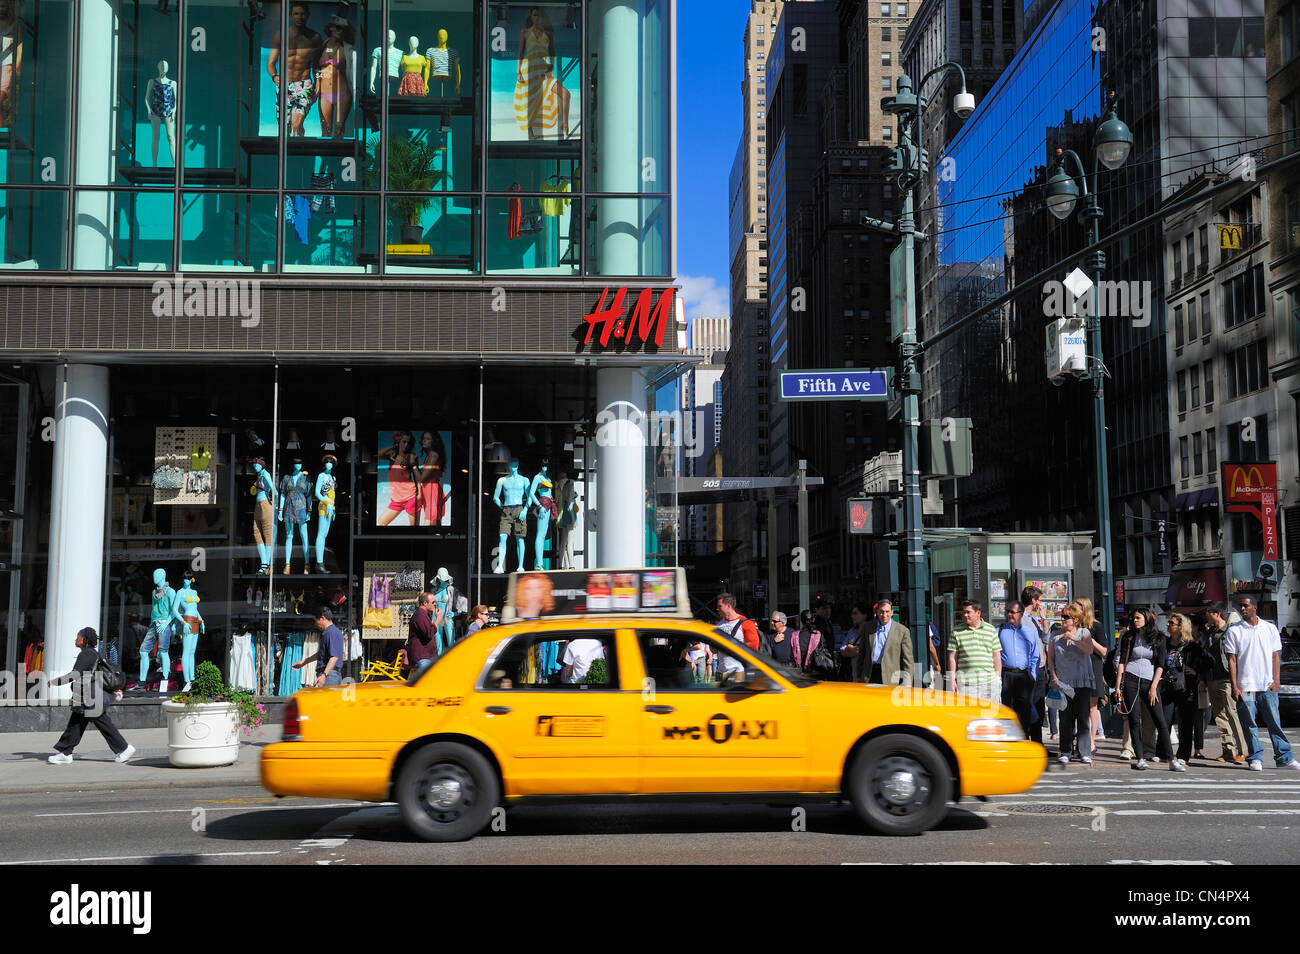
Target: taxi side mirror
{"x": 756, "y": 681}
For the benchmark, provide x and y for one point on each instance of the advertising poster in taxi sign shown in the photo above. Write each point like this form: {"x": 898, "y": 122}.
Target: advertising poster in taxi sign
{"x": 581, "y": 592}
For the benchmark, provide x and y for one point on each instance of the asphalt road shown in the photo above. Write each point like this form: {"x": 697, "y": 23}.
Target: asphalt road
{"x": 1073, "y": 816}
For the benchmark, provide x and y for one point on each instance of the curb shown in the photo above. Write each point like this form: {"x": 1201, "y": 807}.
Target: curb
{"x": 140, "y": 785}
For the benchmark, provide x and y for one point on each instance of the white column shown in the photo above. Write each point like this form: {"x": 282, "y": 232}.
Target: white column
{"x": 77, "y": 502}
{"x": 618, "y": 159}
{"x": 621, "y": 466}
{"x": 96, "y": 114}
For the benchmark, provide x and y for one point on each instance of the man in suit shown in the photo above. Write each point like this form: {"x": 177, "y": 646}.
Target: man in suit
{"x": 886, "y": 648}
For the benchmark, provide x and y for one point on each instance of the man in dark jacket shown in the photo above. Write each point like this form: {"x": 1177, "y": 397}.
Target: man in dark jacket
{"x": 89, "y": 704}
{"x": 421, "y": 641}
{"x": 1222, "y": 704}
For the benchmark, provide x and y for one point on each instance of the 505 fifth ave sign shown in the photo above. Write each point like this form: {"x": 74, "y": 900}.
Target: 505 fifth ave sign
{"x": 836, "y": 384}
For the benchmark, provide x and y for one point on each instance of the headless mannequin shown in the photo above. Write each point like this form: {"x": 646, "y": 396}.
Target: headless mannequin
{"x": 295, "y": 517}
{"x": 539, "y": 495}
{"x": 444, "y": 65}
{"x": 161, "y": 614}
{"x": 191, "y": 625}
{"x": 445, "y": 610}
{"x": 510, "y": 493}
{"x": 393, "y": 56}
{"x": 160, "y": 96}
{"x": 325, "y": 484}
{"x": 262, "y": 508}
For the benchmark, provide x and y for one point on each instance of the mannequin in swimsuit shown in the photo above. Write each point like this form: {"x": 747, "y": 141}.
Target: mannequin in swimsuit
{"x": 510, "y": 495}
{"x": 190, "y": 625}
{"x": 433, "y": 489}
{"x": 334, "y": 76}
{"x": 303, "y": 51}
{"x": 11, "y": 59}
{"x": 325, "y": 484}
{"x": 161, "y": 99}
{"x": 403, "y": 479}
{"x": 539, "y": 494}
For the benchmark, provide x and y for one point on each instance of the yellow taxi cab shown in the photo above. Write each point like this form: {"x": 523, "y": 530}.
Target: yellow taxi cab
{"x": 604, "y": 704}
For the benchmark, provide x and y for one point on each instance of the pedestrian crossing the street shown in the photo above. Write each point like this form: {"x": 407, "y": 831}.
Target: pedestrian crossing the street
{"x": 1241, "y": 794}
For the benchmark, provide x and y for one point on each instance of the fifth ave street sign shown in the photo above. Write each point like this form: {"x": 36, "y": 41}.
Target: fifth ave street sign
{"x": 836, "y": 384}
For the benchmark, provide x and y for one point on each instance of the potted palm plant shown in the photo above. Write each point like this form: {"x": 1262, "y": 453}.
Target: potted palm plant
{"x": 203, "y": 724}
{"x": 411, "y": 168}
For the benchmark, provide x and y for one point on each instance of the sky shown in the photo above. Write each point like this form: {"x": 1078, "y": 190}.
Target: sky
{"x": 710, "y": 67}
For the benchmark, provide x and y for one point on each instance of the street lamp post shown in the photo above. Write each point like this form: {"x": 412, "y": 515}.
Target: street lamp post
{"x": 908, "y": 161}
{"x": 1112, "y": 143}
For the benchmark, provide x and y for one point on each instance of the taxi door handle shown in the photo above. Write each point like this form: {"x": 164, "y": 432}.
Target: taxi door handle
{"x": 660, "y": 710}
{"x": 497, "y": 710}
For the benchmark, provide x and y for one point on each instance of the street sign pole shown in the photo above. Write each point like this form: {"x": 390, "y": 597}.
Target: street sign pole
{"x": 803, "y": 536}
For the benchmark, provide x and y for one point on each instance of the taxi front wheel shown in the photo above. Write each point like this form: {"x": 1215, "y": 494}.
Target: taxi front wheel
{"x": 899, "y": 785}
{"x": 446, "y": 792}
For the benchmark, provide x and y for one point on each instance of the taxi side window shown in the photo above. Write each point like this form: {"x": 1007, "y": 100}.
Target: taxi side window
{"x": 581, "y": 661}
{"x": 680, "y": 663}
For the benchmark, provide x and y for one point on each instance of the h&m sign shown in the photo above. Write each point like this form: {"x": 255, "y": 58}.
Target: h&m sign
{"x": 646, "y": 324}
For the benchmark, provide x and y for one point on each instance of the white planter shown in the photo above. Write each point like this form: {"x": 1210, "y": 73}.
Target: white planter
{"x": 201, "y": 736}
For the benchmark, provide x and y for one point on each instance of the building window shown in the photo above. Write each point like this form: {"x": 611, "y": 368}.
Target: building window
{"x": 1207, "y": 320}
{"x": 1211, "y": 454}
{"x": 885, "y": 34}
{"x": 988, "y": 58}
{"x": 887, "y": 134}
{"x": 1208, "y": 370}
{"x": 900, "y": 9}
{"x": 1178, "y": 326}
{"x": 1185, "y": 456}
{"x": 1243, "y": 297}
{"x": 886, "y": 84}
{"x": 1291, "y": 198}
{"x": 1247, "y": 369}
{"x": 1182, "y": 392}
{"x": 762, "y": 42}
{"x": 1288, "y": 22}
{"x": 1191, "y": 320}
{"x": 1205, "y": 247}
{"x": 1290, "y": 120}
{"x": 1178, "y": 263}
{"x": 884, "y": 9}
{"x": 1198, "y": 459}
{"x": 1253, "y": 450}
{"x": 885, "y": 58}
{"x": 760, "y": 28}
{"x": 1191, "y": 261}
{"x": 1195, "y": 375}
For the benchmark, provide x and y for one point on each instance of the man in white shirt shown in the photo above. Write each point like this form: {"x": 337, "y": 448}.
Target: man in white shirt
{"x": 578, "y": 657}
{"x": 1254, "y": 650}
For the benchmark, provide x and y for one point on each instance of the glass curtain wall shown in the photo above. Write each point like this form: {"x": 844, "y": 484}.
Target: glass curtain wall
{"x": 455, "y": 137}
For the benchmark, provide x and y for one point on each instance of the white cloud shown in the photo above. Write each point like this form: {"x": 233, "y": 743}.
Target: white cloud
{"x": 704, "y": 297}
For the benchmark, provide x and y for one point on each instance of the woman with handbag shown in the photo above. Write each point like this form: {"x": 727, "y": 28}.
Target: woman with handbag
{"x": 1187, "y": 668}
{"x": 1142, "y": 651}
{"x": 1069, "y": 662}
{"x": 1088, "y": 621}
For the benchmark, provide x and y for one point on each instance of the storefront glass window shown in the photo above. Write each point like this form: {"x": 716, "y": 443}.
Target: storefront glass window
{"x": 536, "y": 234}
{"x": 332, "y": 233}
{"x": 431, "y": 234}
{"x": 229, "y": 231}
{"x": 34, "y": 229}
{"x": 123, "y": 230}
{"x": 628, "y": 236}
{"x": 35, "y": 91}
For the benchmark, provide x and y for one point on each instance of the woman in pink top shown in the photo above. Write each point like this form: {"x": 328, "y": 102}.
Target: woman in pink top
{"x": 403, "y": 479}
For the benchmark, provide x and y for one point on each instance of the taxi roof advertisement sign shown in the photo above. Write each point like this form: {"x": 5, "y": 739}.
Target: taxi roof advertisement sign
{"x": 659, "y": 591}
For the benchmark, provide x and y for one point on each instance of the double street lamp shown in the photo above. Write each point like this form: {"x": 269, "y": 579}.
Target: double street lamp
{"x": 908, "y": 162}
{"x": 1112, "y": 142}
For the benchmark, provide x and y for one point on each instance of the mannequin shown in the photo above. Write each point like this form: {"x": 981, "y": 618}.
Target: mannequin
{"x": 539, "y": 495}
{"x": 415, "y": 71}
{"x": 394, "y": 58}
{"x": 186, "y": 611}
{"x": 263, "y": 523}
{"x": 566, "y": 496}
{"x": 301, "y": 53}
{"x": 509, "y": 496}
{"x": 335, "y": 75}
{"x": 541, "y": 101}
{"x": 325, "y": 484}
{"x": 651, "y": 532}
{"x": 444, "y": 601}
{"x": 294, "y": 489}
{"x": 161, "y": 98}
{"x": 160, "y": 628}
{"x": 444, "y": 65}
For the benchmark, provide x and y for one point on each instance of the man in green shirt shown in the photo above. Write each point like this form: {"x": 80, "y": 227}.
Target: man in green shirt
{"x": 975, "y": 654}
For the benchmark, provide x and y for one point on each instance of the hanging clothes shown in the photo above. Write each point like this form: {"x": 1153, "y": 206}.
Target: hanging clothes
{"x": 323, "y": 200}
{"x": 380, "y": 587}
{"x": 551, "y": 208}
{"x": 301, "y": 217}
{"x": 310, "y": 646}
{"x": 242, "y": 665}
{"x": 516, "y": 214}
{"x": 289, "y": 681}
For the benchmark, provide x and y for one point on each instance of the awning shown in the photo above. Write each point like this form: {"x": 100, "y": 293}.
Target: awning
{"x": 1196, "y": 586}
{"x": 1192, "y": 500}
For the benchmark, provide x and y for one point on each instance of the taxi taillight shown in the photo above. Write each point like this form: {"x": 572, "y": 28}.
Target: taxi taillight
{"x": 292, "y": 728}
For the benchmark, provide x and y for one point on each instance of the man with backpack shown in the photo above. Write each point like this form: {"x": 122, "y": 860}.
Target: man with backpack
{"x": 95, "y": 684}
{"x": 740, "y": 628}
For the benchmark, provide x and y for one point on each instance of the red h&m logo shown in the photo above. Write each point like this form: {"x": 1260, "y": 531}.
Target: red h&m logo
{"x": 643, "y": 322}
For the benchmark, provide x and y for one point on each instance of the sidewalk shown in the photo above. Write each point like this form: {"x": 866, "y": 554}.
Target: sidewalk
{"x": 1106, "y": 758}
{"x": 23, "y": 768}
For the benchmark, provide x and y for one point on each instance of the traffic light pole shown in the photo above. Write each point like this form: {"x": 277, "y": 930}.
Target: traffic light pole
{"x": 918, "y": 577}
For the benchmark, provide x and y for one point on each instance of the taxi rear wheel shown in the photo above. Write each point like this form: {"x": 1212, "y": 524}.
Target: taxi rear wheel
{"x": 899, "y": 785}
{"x": 446, "y": 792}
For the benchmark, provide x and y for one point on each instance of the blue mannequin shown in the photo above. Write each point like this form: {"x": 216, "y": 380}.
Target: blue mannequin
{"x": 509, "y": 496}
{"x": 443, "y": 599}
{"x": 325, "y": 484}
{"x": 189, "y": 624}
{"x": 294, "y": 491}
{"x": 161, "y": 613}
{"x": 540, "y": 496}
{"x": 263, "y": 522}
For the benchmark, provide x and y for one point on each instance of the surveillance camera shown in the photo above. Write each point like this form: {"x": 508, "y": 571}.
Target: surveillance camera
{"x": 963, "y": 104}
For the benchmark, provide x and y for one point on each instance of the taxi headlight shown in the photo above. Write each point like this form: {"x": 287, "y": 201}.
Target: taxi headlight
{"x": 994, "y": 730}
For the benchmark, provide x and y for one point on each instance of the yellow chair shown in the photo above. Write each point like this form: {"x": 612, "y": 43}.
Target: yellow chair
{"x": 380, "y": 671}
